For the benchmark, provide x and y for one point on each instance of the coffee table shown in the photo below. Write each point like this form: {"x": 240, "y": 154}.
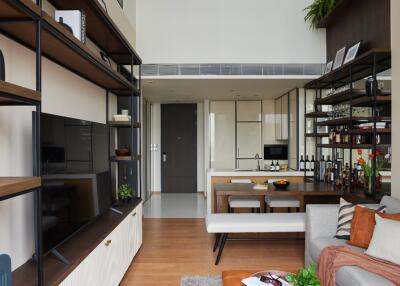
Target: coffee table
{"x": 235, "y": 277}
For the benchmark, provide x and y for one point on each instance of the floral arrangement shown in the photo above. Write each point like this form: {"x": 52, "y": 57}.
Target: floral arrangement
{"x": 367, "y": 166}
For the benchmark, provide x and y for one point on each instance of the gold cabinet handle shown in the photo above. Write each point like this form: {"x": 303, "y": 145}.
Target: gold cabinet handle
{"x": 108, "y": 242}
{"x": 134, "y": 214}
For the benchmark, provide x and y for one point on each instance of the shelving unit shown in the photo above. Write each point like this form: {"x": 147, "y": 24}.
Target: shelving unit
{"x": 25, "y": 22}
{"x": 368, "y": 64}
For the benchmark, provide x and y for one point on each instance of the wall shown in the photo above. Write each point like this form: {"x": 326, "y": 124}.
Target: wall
{"x": 395, "y": 28}
{"x": 227, "y": 31}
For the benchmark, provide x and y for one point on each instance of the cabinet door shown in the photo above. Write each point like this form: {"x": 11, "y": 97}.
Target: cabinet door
{"x": 285, "y": 114}
{"x": 248, "y": 140}
{"x": 248, "y": 110}
{"x": 248, "y": 164}
{"x": 278, "y": 118}
{"x": 139, "y": 229}
{"x": 222, "y": 134}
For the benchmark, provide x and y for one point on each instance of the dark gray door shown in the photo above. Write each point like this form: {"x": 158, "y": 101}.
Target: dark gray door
{"x": 178, "y": 148}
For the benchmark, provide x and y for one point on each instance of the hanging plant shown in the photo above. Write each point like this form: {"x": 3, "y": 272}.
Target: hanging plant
{"x": 318, "y": 10}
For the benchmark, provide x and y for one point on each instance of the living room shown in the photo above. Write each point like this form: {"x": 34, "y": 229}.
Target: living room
{"x": 220, "y": 143}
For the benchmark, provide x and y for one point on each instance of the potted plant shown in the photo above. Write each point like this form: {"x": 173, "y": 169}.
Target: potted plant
{"x": 125, "y": 193}
{"x": 318, "y": 10}
{"x": 367, "y": 169}
{"x": 305, "y": 277}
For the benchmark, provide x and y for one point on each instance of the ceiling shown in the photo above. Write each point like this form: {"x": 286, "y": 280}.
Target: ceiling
{"x": 193, "y": 90}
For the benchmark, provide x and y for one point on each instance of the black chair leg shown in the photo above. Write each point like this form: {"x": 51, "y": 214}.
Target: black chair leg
{"x": 217, "y": 239}
{"x": 221, "y": 247}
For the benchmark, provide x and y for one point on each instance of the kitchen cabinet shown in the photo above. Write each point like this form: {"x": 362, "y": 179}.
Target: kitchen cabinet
{"x": 107, "y": 263}
{"x": 222, "y": 134}
{"x": 248, "y": 140}
{"x": 248, "y": 111}
{"x": 281, "y": 117}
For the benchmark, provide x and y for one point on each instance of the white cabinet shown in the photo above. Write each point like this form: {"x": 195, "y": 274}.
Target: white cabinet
{"x": 222, "y": 134}
{"x": 248, "y": 111}
{"x": 281, "y": 117}
{"x": 248, "y": 140}
{"x": 108, "y": 262}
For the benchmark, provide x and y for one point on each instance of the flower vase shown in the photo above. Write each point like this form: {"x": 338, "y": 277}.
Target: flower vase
{"x": 368, "y": 188}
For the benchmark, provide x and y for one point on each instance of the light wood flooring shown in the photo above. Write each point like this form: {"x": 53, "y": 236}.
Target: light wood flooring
{"x": 175, "y": 247}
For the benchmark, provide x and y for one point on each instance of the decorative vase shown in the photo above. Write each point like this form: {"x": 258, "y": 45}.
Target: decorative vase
{"x": 370, "y": 86}
{"x": 2, "y": 67}
{"x": 369, "y": 185}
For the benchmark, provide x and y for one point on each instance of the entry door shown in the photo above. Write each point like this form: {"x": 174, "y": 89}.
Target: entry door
{"x": 179, "y": 148}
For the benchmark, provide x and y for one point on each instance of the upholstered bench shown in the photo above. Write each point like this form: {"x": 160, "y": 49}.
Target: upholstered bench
{"x": 223, "y": 224}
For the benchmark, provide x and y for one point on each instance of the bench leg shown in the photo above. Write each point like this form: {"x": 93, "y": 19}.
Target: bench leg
{"x": 221, "y": 247}
{"x": 217, "y": 239}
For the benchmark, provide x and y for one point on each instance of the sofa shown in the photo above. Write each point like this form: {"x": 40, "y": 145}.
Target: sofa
{"x": 321, "y": 223}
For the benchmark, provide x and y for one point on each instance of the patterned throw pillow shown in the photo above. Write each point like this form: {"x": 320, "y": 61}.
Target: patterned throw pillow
{"x": 346, "y": 213}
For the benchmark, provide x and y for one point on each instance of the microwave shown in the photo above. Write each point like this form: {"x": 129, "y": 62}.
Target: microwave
{"x": 275, "y": 152}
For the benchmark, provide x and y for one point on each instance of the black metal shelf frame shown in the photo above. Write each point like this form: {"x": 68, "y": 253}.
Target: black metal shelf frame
{"x": 368, "y": 64}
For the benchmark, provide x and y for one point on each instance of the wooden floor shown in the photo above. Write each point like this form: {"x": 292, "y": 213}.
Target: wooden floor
{"x": 175, "y": 247}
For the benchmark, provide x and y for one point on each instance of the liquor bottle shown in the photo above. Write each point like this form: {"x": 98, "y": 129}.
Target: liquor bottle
{"x": 277, "y": 167}
{"x": 342, "y": 136}
{"x": 312, "y": 164}
{"x": 272, "y": 167}
{"x": 308, "y": 164}
{"x": 337, "y": 136}
{"x": 346, "y": 136}
{"x": 322, "y": 169}
{"x": 302, "y": 164}
{"x": 331, "y": 136}
{"x": 329, "y": 160}
{"x": 327, "y": 176}
{"x": 332, "y": 174}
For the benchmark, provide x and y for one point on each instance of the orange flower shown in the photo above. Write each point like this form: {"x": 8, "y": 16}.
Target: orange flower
{"x": 359, "y": 151}
{"x": 371, "y": 156}
{"x": 361, "y": 161}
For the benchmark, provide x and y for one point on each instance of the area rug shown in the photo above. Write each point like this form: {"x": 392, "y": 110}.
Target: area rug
{"x": 187, "y": 280}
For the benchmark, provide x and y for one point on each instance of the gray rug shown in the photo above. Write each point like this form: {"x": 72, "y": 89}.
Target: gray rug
{"x": 201, "y": 280}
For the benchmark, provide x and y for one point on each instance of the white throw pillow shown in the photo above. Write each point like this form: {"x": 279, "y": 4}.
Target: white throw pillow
{"x": 385, "y": 240}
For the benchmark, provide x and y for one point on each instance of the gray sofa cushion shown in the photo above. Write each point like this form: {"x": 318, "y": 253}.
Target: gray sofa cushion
{"x": 318, "y": 244}
{"x": 355, "y": 276}
{"x": 392, "y": 204}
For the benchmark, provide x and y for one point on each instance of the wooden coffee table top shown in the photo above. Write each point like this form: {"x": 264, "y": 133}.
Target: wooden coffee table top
{"x": 234, "y": 277}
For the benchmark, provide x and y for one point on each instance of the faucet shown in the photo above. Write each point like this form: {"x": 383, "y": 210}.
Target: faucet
{"x": 258, "y": 162}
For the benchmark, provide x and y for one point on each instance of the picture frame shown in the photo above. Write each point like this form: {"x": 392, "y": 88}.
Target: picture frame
{"x": 339, "y": 58}
{"x": 328, "y": 67}
{"x": 352, "y": 53}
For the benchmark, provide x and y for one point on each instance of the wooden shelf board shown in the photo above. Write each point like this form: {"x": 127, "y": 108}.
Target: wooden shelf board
{"x": 13, "y": 186}
{"x": 63, "y": 48}
{"x": 126, "y": 158}
{"x": 381, "y": 131}
{"x": 102, "y": 30}
{"x": 346, "y": 120}
{"x": 346, "y": 146}
{"x": 24, "y": 8}
{"x": 360, "y": 67}
{"x": 369, "y": 101}
{"x": 317, "y": 134}
{"x": 12, "y": 94}
{"x": 75, "y": 249}
{"x": 123, "y": 124}
{"x": 317, "y": 114}
{"x": 340, "y": 97}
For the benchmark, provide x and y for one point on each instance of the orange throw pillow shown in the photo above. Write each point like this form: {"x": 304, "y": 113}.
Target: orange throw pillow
{"x": 363, "y": 225}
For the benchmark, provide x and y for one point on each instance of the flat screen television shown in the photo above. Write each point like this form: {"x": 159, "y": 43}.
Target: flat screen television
{"x": 75, "y": 176}
{"x": 276, "y": 152}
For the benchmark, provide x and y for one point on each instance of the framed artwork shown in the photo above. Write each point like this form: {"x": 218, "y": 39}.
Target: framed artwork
{"x": 339, "y": 58}
{"x": 328, "y": 67}
{"x": 121, "y": 3}
{"x": 352, "y": 53}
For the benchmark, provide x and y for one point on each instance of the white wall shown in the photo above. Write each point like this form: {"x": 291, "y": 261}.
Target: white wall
{"x": 395, "y": 30}
{"x": 227, "y": 31}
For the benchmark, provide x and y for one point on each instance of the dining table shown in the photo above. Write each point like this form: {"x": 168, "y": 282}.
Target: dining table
{"x": 302, "y": 190}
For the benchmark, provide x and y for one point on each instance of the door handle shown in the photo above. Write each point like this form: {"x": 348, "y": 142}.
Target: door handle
{"x": 134, "y": 214}
{"x": 108, "y": 242}
{"x": 164, "y": 157}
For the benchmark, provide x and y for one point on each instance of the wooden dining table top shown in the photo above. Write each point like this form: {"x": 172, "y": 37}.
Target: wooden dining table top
{"x": 304, "y": 188}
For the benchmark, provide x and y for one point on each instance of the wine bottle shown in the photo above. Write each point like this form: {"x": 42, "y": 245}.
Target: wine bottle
{"x": 308, "y": 164}
{"x": 301, "y": 163}
{"x": 277, "y": 167}
{"x": 337, "y": 136}
{"x": 312, "y": 165}
{"x": 331, "y": 136}
{"x": 272, "y": 167}
{"x": 322, "y": 169}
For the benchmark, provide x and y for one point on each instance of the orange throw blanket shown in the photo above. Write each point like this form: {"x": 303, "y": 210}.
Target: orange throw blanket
{"x": 334, "y": 257}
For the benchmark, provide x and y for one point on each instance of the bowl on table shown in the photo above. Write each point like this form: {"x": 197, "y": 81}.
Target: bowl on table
{"x": 123, "y": 152}
{"x": 281, "y": 184}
